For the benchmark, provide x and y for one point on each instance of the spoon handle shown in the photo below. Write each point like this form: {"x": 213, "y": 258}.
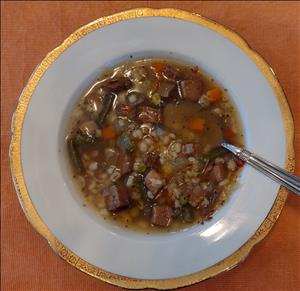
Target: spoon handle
{"x": 288, "y": 180}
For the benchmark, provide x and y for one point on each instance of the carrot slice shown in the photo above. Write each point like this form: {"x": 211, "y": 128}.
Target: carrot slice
{"x": 228, "y": 134}
{"x": 214, "y": 95}
{"x": 196, "y": 124}
{"x": 109, "y": 132}
{"x": 158, "y": 67}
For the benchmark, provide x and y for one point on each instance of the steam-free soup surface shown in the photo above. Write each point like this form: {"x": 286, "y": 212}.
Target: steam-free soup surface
{"x": 144, "y": 144}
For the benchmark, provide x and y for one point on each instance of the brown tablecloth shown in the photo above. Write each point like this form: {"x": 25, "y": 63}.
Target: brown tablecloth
{"x": 30, "y": 29}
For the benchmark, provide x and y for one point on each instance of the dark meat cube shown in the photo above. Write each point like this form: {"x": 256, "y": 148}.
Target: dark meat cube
{"x": 218, "y": 173}
{"x": 188, "y": 149}
{"x": 171, "y": 73}
{"x": 151, "y": 159}
{"x": 116, "y": 198}
{"x": 124, "y": 163}
{"x": 191, "y": 89}
{"x": 196, "y": 196}
{"x": 165, "y": 198}
{"x": 154, "y": 181}
{"x": 116, "y": 84}
{"x": 161, "y": 216}
{"x": 149, "y": 115}
{"x": 125, "y": 110}
{"x": 165, "y": 89}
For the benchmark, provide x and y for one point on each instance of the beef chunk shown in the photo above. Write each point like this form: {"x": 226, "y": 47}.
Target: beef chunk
{"x": 161, "y": 216}
{"x": 165, "y": 88}
{"x": 116, "y": 197}
{"x": 165, "y": 198}
{"x": 124, "y": 163}
{"x": 191, "y": 89}
{"x": 149, "y": 115}
{"x": 154, "y": 181}
{"x": 116, "y": 84}
{"x": 218, "y": 173}
{"x": 151, "y": 159}
{"x": 196, "y": 196}
{"x": 170, "y": 73}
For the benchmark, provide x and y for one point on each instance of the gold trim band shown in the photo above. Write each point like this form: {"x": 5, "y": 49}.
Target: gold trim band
{"x": 63, "y": 251}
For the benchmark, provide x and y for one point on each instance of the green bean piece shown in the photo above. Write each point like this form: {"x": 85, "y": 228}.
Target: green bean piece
{"x": 74, "y": 155}
{"x": 187, "y": 213}
{"x": 107, "y": 105}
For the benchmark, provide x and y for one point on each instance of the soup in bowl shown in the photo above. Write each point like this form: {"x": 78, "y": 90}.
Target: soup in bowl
{"x": 144, "y": 145}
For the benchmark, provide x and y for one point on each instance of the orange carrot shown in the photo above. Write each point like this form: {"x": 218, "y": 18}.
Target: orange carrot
{"x": 228, "y": 134}
{"x": 158, "y": 67}
{"x": 196, "y": 124}
{"x": 109, "y": 132}
{"x": 214, "y": 95}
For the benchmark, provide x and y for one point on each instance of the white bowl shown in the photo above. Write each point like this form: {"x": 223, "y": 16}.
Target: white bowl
{"x": 50, "y": 200}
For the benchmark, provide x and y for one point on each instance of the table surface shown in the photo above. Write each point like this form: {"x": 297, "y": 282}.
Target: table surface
{"x": 29, "y": 30}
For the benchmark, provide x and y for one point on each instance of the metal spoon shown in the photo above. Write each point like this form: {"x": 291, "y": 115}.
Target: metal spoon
{"x": 288, "y": 180}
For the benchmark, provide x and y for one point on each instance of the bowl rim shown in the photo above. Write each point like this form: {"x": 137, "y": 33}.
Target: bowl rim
{"x": 58, "y": 247}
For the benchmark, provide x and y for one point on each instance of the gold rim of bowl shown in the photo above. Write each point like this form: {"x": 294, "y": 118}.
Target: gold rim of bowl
{"x": 34, "y": 218}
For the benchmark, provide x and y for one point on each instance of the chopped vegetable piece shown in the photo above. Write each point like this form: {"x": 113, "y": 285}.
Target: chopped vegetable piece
{"x": 183, "y": 200}
{"x": 109, "y": 132}
{"x": 87, "y": 133}
{"x": 228, "y": 134}
{"x": 187, "y": 213}
{"x": 125, "y": 143}
{"x": 139, "y": 186}
{"x": 108, "y": 101}
{"x": 214, "y": 95}
{"x": 155, "y": 99}
{"x": 167, "y": 169}
{"x": 158, "y": 68}
{"x": 197, "y": 124}
{"x": 162, "y": 216}
{"x": 75, "y": 156}
{"x": 140, "y": 167}
{"x": 212, "y": 197}
{"x": 82, "y": 138}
